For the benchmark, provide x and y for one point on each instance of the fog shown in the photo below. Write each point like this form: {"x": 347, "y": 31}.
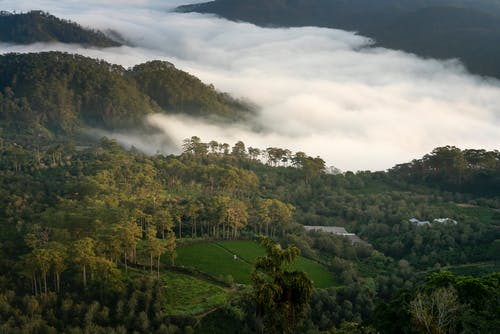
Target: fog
{"x": 321, "y": 91}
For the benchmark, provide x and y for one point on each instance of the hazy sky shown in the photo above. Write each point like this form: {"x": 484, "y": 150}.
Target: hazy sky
{"x": 321, "y": 91}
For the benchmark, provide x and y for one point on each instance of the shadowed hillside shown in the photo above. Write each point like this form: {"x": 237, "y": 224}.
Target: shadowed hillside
{"x": 37, "y": 26}
{"x": 468, "y": 30}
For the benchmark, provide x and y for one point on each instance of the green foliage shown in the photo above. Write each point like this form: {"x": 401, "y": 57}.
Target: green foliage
{"x": 474, "y": 171}
{"x": 37, "y": 26}
{"x": 177, "y": 91}
{"x": 331, "y": 307}
{"x": 137, "y": 309}
{"x": 73, "y": 216}
{"x": 352, "y": 328}
{"x": 281, "y": 295}
{"x": 448, "y": 303}
{"x": 186, "y": 295}
{"x": 65, "y": 92}
{"x": 217, "y": 259}
{"x": 55, "y": 93}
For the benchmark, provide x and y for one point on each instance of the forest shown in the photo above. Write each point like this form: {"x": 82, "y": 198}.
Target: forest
{"x": 86, "y": 231}
{"x": 38, "y": 26}
{"x": 99, "y": 238}
{"x": 53, "y": 93}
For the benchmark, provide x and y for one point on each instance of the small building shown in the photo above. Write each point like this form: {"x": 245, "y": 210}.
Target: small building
{"x": 417, "y": 222}
{"x": 338, "y": 231}
{"x": 445, "y": 221}
{"x": 330, "y": 229}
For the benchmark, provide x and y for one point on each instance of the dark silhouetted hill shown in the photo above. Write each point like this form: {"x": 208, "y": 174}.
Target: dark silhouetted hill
{"x": 38, "y": 26}
{"x": 464, "y": 29}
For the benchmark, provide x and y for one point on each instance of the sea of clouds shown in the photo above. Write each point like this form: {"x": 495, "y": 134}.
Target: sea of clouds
{"x": 321, "y": 91}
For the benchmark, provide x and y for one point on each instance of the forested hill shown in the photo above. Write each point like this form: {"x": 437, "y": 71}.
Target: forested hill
{"x": 474, "y": 171}
{"x": 468, "y": 30}
{"x": 38, "y": 26}
{"x": 57, "y": 93}
{"x": 179, "y": 91}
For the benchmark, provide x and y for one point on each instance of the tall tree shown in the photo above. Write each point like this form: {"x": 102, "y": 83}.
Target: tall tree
{"x": 281, "y": 295}
{"x": 84, "y": 255}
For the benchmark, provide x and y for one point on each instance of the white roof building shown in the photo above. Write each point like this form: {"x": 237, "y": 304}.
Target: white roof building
{"x": 419, "y": 222}
{"x": 338, "y": 231}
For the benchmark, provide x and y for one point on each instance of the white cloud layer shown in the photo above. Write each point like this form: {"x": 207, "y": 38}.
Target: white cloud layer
{"x": 321, "y": 91}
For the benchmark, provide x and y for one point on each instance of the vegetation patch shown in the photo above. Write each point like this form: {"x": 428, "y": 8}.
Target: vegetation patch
{"x": 475, "y": 269}
{"x": 218, "y": 259}
{"x": 215, "y": 260}
{"x": 187, "y": 295}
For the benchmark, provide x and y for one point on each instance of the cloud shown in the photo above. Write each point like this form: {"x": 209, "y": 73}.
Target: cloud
{"x": 322, "y": 91}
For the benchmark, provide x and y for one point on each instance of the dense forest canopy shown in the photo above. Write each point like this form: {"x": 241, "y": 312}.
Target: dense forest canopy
{"x": 58, "y": 93}
{"x": 38, "y": 26}
{"x": 468, "y": 30}
{"x": 95, "y": 238}
{"x": 102, "y": 224}
{"x": 181, "y": 92}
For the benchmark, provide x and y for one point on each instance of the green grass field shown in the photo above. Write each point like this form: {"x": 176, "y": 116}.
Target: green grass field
{"x": 217, "y": 259}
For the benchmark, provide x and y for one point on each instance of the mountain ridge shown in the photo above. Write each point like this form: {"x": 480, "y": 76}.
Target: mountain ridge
{"x": 397, "y": 24}
{"x": 38, "y": 26}
{"x": 58, "y": 93}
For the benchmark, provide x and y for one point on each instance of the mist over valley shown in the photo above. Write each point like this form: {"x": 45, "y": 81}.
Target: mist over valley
{"x": 322, "y": 91}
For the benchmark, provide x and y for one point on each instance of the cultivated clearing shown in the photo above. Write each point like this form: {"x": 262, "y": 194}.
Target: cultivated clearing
{"x": 218, "y": 259}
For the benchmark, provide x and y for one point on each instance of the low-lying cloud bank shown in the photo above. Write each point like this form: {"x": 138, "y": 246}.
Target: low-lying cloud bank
{"x": 321, "y": 90}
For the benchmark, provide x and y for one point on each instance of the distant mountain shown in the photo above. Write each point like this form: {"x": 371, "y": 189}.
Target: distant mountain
{"x": 57, "y": 93}
{"x": 38, "y": 26}
{"x": 464, "y": 29}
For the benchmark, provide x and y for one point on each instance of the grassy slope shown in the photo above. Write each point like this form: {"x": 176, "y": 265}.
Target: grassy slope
{"x": 215, "y": 260}
{"x": 218, "y": 260}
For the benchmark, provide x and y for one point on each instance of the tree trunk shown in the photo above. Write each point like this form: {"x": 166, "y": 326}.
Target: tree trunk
{"x": 158, "y": 266}
{"x": 33, "y": 283}
{"x": 39, "y": 282}
{"x": 45, "y": 282}
{"x": 84, "y": 273}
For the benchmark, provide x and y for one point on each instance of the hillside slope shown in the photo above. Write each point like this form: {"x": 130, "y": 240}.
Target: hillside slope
{"x": 443, "y": 29}
{"x": 57, "y": 93}
{"x": 38, "y": 26}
